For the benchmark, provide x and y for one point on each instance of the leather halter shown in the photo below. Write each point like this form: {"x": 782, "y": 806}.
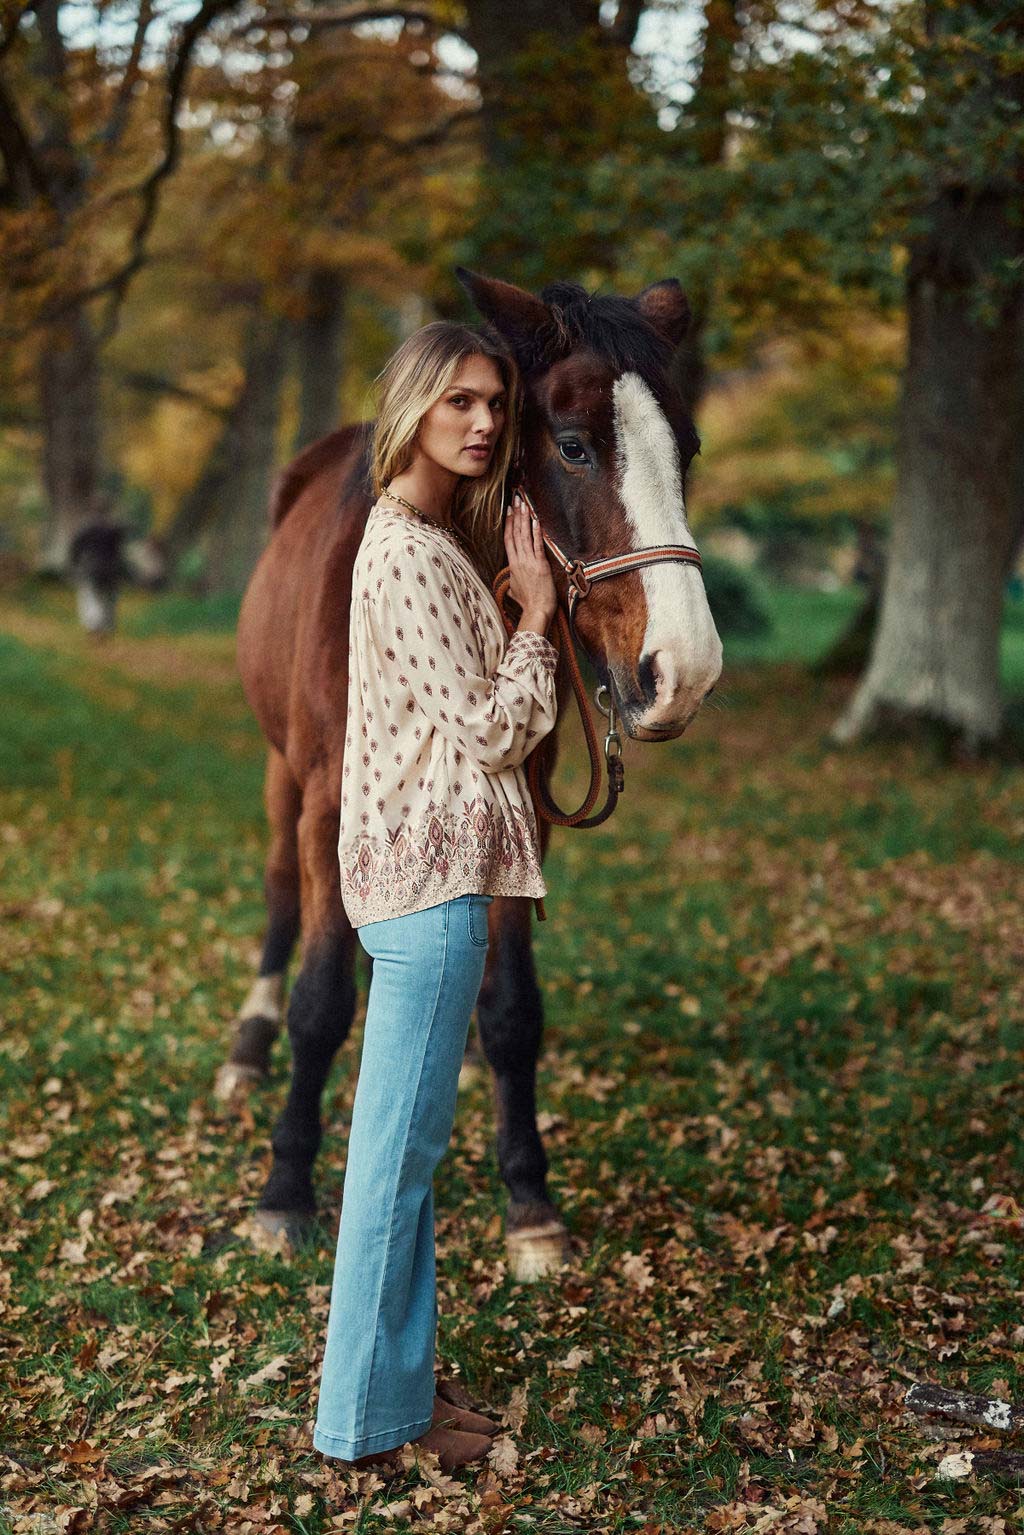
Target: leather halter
{"x": 581, "y": 575}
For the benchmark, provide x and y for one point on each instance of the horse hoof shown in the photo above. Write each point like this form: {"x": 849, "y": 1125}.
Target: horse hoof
{"x": 235, "y": 1080}
{"x": 280, "y": 1230}
{"x": 535, "y": 1252}
{"x": 249, "y": 1062}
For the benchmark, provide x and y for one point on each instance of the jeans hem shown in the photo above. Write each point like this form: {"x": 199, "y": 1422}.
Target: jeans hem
{"x": 351, "y": 1449}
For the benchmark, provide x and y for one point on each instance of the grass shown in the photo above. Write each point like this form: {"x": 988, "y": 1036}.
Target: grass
{"x": 779, "y": 1092}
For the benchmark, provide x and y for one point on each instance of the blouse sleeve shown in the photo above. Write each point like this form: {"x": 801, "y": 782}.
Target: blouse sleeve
{"x": 496, "y": 720}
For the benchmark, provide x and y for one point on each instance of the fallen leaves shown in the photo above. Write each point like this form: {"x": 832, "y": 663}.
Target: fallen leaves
{"x": 275, "y": 1370}
{"x": 636, "y": 1268}
{"x": 779, "y": 1139}
{"x": 956, "y": 1466}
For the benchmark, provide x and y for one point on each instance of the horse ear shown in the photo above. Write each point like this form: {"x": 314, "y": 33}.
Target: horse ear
{"x": 665, "y": 306}
{"x": 514, "y": 313}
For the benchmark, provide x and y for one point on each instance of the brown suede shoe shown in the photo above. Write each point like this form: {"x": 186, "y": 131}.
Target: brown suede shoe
{"x": 464, "y": 1419}
{"x": 443, "y": 1438}
{"x": 455, "y": 1396}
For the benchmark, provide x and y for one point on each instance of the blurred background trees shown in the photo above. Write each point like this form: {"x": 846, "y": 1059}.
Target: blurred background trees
{"x": 216, "y": 221}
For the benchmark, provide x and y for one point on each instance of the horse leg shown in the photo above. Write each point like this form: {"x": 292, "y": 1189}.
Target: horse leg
{"x": 320, "y": 1012}
{"x": 510, "y": 1019}
{"x": 259, "y": 1019}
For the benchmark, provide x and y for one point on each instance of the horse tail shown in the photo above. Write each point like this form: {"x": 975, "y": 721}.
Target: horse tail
{"x": 325, "y": 453}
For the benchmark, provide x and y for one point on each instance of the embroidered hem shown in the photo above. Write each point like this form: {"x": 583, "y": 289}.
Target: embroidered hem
{"x": 454, "y": 851}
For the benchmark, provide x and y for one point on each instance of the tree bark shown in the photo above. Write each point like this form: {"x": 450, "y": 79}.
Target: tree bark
{"x": 69, "y": 372}
{"x": 69, "y": 392}
{"x": 51, "y": 169}
{"x": 318, "y": 341}
{"x": 960, "y": 467}
{"x": 926, "y": 1400}
{"x": 555, "y": 97}
{"x": 709, "y": 128}
{"x": 228, "y": 503}
{"x": 849, "y": 654}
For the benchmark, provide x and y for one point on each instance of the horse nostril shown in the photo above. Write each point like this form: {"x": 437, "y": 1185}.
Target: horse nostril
{"x": 649, "y": 675}
{"x": 710, "y": 690}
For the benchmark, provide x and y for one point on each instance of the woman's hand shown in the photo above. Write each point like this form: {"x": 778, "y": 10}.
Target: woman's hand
{"x": 531, "y": 584}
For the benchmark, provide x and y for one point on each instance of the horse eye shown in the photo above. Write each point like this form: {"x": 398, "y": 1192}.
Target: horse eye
{"x": 572, "y": 451}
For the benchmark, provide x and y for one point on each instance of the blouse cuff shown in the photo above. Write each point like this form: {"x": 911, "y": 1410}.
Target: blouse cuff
{"x": 526, "y": 646}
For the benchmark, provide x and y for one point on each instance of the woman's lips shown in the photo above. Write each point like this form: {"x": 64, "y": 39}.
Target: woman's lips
{"x": 478, "y": 452}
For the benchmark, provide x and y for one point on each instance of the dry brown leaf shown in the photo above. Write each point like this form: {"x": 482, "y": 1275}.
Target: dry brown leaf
{"x": 514, "y": 1414}
{"x": 503, "y": 1457}
{"x": 273, "y": 1371}
{"x": 637, "y": 1269}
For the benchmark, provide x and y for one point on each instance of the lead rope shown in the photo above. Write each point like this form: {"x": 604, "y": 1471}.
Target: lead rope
{"x": 543, "y": 803}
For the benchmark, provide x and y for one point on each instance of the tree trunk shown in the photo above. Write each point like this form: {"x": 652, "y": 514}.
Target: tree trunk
{"x": 849, "y": 654}
{"x": 555, "y": 97}
{"x": 708, "y": 118}
{"x": 960, "y": 463}
{"x": 229, "y": 501}
{"x": 69, "y": 388}
{"x": 318, "y": 339}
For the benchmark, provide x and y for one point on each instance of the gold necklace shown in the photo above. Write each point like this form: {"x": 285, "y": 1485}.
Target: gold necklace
{"x": 453, "y": 532}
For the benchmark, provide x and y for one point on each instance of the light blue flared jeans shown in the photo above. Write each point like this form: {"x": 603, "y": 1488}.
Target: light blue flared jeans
{"x": 377, "y": 1386}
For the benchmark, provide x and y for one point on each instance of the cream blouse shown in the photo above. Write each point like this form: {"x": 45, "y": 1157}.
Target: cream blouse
{"x": 443, "y": 708}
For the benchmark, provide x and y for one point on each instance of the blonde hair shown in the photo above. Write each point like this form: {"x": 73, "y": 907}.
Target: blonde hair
{"x": 413, "y": 380}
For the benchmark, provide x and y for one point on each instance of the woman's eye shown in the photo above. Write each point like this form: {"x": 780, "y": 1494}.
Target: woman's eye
{"x": 457, "y": 399}
{"x": 572, "y": 450}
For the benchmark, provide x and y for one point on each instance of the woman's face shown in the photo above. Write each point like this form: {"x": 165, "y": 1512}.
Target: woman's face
{"x": 461, "y": 430}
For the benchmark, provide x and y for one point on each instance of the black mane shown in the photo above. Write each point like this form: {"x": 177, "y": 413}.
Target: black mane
{"x": 613, "y": 327}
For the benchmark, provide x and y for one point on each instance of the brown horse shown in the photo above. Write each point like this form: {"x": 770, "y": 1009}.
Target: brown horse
{"x": 605, "y": 444}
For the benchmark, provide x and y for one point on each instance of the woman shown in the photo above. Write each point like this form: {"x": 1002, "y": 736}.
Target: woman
{"x": 436, "y": 819}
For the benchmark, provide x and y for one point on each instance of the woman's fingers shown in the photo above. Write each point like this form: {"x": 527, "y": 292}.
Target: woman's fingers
{"x": 527, "y": 556}
{"x": 511, "y": 524}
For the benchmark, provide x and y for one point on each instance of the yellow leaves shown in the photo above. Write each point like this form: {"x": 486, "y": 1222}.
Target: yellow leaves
{"x": 786, "y": 426}
{"x": 165, "y": 450}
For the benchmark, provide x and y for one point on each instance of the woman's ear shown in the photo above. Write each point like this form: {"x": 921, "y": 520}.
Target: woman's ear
{"x": 514, "y": 313}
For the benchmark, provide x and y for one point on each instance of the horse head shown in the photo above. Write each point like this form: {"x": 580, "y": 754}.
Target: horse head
{"x": 605, "y": 443}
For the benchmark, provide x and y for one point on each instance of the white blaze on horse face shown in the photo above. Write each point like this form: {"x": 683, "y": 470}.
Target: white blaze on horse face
{"x": 680, "y": 639}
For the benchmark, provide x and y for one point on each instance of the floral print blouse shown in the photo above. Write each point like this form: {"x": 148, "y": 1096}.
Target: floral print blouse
{"x": 443, "y": 709}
